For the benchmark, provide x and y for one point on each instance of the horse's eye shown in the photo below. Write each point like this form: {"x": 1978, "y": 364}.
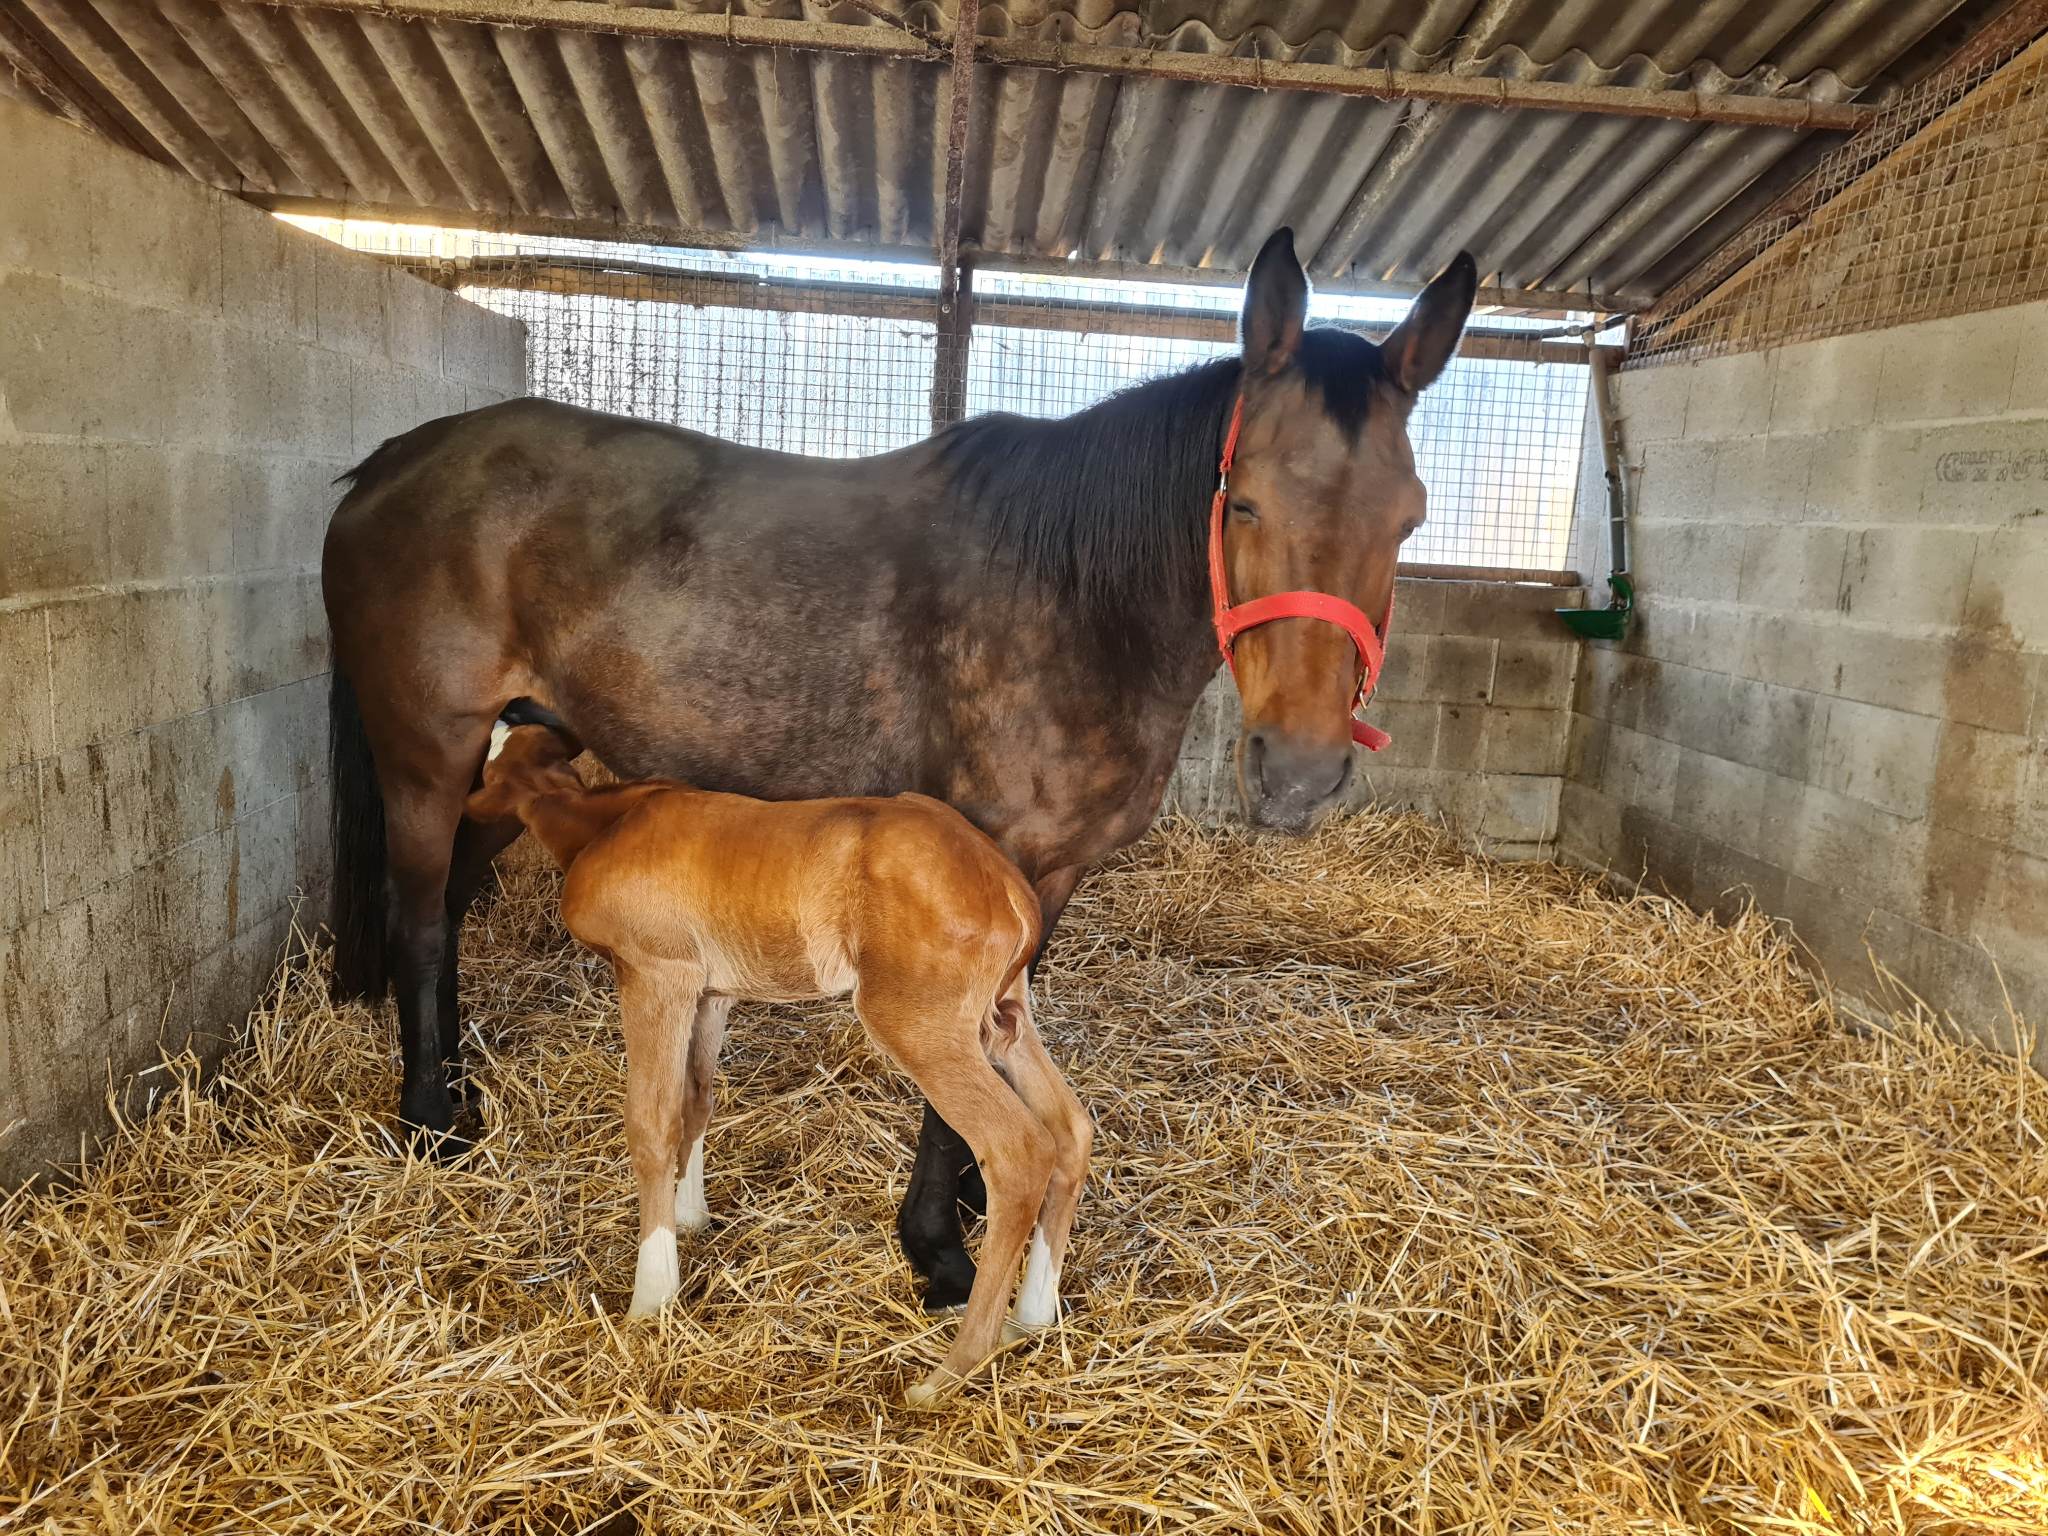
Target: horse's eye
{"x": 1244, "y": 512}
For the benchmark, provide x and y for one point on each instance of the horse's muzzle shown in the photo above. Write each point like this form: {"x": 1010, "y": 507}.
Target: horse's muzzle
{"x": 1289, "y": 785}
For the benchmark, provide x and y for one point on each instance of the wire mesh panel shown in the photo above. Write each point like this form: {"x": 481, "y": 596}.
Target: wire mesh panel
{"x": 1933, "y": 210}
{"x": 846, "y": 358}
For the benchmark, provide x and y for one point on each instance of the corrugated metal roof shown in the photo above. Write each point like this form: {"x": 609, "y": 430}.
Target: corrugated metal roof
{"x": 769, "y": 145}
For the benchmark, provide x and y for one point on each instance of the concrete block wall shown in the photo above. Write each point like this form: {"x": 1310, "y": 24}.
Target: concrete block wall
{"x": 181, "y": 378}
{"x": 1836, "y": 699}
{"x": 1477, "y": 696}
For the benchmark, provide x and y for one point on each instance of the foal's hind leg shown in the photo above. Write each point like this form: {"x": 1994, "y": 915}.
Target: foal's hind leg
{"x": 1040, "y": 1085}
{"x": 693, "y": 1213}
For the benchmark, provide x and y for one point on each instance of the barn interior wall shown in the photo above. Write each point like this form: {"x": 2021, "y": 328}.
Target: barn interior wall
{"x": 181, "y": 378}
{"x": 1477, "y": 695}
{"x": 1835, "y": 699}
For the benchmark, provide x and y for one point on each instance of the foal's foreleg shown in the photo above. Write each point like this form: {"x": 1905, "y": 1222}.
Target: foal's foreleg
{"x": 693, "y": 1213}
{"x": 658, "y": 1008}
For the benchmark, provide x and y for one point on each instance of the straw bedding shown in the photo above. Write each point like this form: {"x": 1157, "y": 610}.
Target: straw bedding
{"x": 1431, "y": 1196}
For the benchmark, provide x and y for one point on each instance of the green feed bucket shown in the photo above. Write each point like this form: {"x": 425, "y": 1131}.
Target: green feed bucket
{"x": 1609, "y": 623}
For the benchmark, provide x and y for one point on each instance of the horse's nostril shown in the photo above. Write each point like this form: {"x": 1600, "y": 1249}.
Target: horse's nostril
{"x": 1255, "y": 761}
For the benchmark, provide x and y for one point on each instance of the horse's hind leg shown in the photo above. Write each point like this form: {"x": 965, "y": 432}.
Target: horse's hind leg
{"x": 422, "y": 813}
{"x": 693, "y": 1212}
{"x": 476, "y": 845}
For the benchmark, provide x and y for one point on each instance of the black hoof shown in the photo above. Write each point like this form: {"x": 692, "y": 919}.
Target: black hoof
{"x": 952, "y": 1277}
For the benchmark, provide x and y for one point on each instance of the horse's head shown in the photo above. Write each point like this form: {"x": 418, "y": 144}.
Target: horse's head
{"x": 1322, "y": 493}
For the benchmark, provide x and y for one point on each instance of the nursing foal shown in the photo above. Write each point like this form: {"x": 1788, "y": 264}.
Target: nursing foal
{"x": 699, "y": 898}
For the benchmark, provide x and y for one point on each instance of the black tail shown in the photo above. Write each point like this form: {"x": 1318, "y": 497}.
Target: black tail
{"x": 360, "y": 969}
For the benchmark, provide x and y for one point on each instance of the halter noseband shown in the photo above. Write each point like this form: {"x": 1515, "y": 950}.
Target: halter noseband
{"x": 1233, "y": 620}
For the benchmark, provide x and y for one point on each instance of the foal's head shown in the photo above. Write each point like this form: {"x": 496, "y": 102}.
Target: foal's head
{"x": 1322, "y": 494}
{"x": 526, "y": 761}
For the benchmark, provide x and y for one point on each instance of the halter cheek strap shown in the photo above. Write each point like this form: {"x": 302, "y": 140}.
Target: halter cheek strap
{"x": 1233, "y": 620}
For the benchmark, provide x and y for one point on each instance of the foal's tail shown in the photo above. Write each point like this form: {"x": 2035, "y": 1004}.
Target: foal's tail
{"x": 360, "y": 967}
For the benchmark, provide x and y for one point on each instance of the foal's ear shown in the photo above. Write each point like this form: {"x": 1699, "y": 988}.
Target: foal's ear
{"x": 1275, "y": 306}
{"x": 1421, "y": 344}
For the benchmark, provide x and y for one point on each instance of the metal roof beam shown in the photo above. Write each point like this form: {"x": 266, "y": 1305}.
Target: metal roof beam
{"x": 896, "y": 42}
{"x": 1539, "y": 301}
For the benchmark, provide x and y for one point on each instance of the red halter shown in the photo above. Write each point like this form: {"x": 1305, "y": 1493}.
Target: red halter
{"x": 1232, "y": 621}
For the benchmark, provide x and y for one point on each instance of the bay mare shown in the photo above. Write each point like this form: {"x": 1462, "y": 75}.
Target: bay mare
{"x": 1011, "y": 616}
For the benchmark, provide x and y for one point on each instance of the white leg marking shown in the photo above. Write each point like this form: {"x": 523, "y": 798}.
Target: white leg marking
{"x": 692, "y": 1213}
{"x": 1039, "y": 1300}
{"x": 659, "y": 1276}
{"x": 498, "y": 734}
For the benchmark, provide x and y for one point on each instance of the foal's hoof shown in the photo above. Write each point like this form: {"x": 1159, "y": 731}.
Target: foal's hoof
{"x": 1015, "y": 1332}
{"x": 933, "y": 1390}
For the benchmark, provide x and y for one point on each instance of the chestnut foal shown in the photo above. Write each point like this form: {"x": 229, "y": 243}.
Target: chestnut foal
{"x": 699, "y": 898}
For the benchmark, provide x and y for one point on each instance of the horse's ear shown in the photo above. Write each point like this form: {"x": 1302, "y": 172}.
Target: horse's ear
{"x": 1275, "y": 306}
{"x": 1421, "y": 344}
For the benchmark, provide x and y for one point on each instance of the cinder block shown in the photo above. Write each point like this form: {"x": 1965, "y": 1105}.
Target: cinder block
{"x": 1978, "y": 777}
{"x": 1520, "y": 808}
{"x": 1940, "y": 369}
{"x": 1852, "y": 846}
{"x": 268, "y": 274}
{"x": 1674, "y": 482}
{"x": 415, "y": 321}
{"x": 1956, "y": 979}
{"x": 1657, "y": 852}
{"x": 43, "y": 224}
{"x": 1405, "y": 676}
{"x": 1503, "y": 611}
{"x": 1418, "y": 607}
{"x": 2009, "y": 588}
{"x": 1535, "y": 674}
{"x": 2030, "y": 821}
{"x": 1731, "y": 396}
{"x": 2017, "y": 918}
{"x": 1685, "y": 704}
{"x": 315, "y": 838}
{"x": 1413, "y": 725}
{"x": 1460, "y": 669}
{"x": 1822, "y": 386}
{"x": 1901, "y": 576}
{"x": 1985, "y": 473}
{"x": 1461, "y": 737}
{"x": 1651, "y": 402}
{"x": 21, "y": 847}
{"x": 1702, "y": 560}
{"x": 75, "y": 362}
{"x": 1588, "y": 825}
{"x": 96, "y": 816}
{"x": 1954, "y": 879}
{"x": 198, "y": 375}
{"x": 230, "y": 983}
{"x": 1868, "y": 475}
{"x": 258, "y": 627}
{"x": 1881, "y": 756}
{"x": 53, "y": 515}
{"x": 383, "y": 404}
{"x": 128, "y": 659}
{"x": 26, "y": 731}
{"x": 1762, "y": 479}
{"x": 1832, "y": 929}
{"x": 1726, "y": 880}
{"x": 1724, "y": 799}
{"x": 1641, "y": 771}
{"x": 348, "y": 301}
{"x": 264, "y": 865}
{"x": 1799, "y": 569}
{"x": 170, "y": 512}
{"x": 155, "y": 236}
{"x": 186, "y": 779}
{"x": 1612, "y": 684}
{"x": 256, "y": 754}
{"x": 1585, "y": 756}
{"x": 52, "y": 989}
{"x": 1526, "y": 741}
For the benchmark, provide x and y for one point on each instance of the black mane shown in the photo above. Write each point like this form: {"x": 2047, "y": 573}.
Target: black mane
{"x": 1107, "y": 509}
